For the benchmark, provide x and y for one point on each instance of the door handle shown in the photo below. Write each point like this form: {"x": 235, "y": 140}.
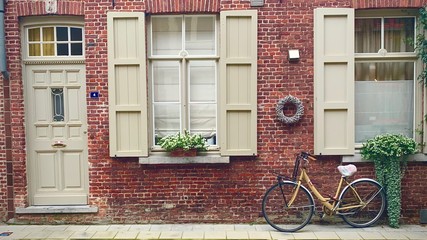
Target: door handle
{"x": 59, "y": 144}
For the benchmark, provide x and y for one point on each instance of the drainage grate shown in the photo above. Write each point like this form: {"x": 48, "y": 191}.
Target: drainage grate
{"x": 423, "y": 216}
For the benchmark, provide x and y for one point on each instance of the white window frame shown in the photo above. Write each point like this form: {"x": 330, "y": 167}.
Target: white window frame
{"x": 60, "y": 21}
{"x": 394, "y": 57}
{"x": 184, "y": 60}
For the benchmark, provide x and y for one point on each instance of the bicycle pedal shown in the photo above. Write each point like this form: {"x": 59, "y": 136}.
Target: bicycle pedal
{"x": 320, "y": 214}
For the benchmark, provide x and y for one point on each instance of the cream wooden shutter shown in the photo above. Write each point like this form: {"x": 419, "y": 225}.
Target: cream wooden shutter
{"x": 238, "y": 83}
{"x": 127, "y": 92}
{"x": 334, "y": 81}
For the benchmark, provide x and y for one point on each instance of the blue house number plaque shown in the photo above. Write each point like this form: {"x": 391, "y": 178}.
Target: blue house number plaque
{"x": 94, "y": 94}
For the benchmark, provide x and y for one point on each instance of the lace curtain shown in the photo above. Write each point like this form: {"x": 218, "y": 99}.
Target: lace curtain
{"x": 384, "y": 89}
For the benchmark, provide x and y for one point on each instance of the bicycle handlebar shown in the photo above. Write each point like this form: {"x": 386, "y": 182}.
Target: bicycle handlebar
{"x": 308, "y": 156}
{"x": 302, "y": 156}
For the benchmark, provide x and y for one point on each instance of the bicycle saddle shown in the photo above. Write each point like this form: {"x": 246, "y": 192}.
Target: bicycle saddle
{"x": 347, "y": 170}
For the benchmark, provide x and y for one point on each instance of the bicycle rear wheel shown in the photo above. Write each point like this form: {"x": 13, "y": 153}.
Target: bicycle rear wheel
{"x": 372, "y": 194}
{"x": 283, "y": 215}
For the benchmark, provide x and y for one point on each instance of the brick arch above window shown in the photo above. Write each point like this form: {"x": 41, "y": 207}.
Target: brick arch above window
{"x": 181, "y": 6}
{"x": 39, "y": 8}
{"x": 365, "y": 4}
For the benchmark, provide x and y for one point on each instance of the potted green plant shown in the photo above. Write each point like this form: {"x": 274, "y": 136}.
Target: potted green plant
{"x": 183, "y": 144}
{"x": 389, "y": 153}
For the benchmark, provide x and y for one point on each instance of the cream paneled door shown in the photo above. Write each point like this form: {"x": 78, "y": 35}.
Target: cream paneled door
{"x": 57, "y": 139}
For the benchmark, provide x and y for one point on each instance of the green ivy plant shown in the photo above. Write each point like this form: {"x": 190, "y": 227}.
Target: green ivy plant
{"x": 389, "y": 153}
{"x": 185, "y": 141}
{"x": 421, "y": 47}
{"x": 421, "y": 43}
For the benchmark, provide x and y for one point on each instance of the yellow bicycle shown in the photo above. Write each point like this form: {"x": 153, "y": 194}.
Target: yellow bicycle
{"x": 288, "y": 205}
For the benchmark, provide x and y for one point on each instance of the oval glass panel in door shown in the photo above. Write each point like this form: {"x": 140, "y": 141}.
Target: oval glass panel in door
{"x": 58, "y": 104}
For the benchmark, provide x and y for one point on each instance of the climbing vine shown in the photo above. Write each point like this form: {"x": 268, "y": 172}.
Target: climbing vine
{"x": 389, "y": 154}
{"x": 421, "y": 43}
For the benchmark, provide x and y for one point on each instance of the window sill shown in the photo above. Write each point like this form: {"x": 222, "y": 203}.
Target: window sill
{"x": 56, "y": 209}
{"x": 215, "y": 159}
{"x": 419, "y": 157}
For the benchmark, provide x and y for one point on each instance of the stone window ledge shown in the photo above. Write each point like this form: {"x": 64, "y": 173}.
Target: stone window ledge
{"x": 56, "y": 209}
{"x": 214, "y": 159}
{"x": 419, "y": 157}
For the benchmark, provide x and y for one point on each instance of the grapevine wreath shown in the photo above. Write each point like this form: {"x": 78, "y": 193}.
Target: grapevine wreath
{"x": 289, "y": 119}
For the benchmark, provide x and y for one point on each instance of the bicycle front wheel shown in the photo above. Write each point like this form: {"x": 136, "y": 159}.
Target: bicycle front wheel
{"x": 284, "y": 214}
{"x": 366, "y": 192}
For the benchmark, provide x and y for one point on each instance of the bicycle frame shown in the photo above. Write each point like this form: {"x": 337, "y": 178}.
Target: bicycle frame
{"x": 303, "y": 177}
{"x": 326, "y": 201}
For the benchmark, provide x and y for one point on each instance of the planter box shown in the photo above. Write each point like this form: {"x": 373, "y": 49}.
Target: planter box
{"x": 183, "y": 153}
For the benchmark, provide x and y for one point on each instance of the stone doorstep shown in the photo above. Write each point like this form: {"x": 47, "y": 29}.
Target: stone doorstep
{"x": 56, "y": 209}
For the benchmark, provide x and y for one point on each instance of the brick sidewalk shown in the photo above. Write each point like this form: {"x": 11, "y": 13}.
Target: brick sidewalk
{"x": 207, "y": 231}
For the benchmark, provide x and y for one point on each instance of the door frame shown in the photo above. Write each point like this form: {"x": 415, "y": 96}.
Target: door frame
{"x": 33, "y": 21}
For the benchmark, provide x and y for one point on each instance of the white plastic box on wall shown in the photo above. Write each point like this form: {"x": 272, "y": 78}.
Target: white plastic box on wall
{"x": 257, "y": 3}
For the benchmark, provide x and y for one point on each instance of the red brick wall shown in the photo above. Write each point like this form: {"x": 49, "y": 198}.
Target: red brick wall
{"x": 126, "y": 191}
{"x": 12, "y": 123}
{"x": 3, "y": 169}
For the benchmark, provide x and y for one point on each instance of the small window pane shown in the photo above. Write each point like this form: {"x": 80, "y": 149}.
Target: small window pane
{"x": 166, "y": 81}
{"x": 58, "y": 104}
{"x": 203, "y": 99}
{"x": 203, "y": 119}
{"x": 384, "y": 99}
{"x": 399, "y": 34}
{"x": 76, "y": 34}
{"x": 166, "y": 119}
{"x": 62, "y": 49}
{"x": 368, "y": 35}
{"x": 76, "y": 49}
{"x": 167, "y": 35}
{"x": 34, "y": 49}
{"x": 200, "y": 35}
{"x": 48, "y": 34}
{"x": 384, "y": 71}
{"x": 62, "y": 34}
{"x": 49, "y": 49}
{"x": 202, "y": 81}
{"x": 34, "y": 35}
